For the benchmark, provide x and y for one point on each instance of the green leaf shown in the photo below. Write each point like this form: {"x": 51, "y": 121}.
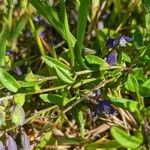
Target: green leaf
{"x": 81, "y": 26}
{"x": 139, "y": 74}
{"x": 67, "y": 30}
{"x": 107, "y": 144}
{"x": 20, "y": 26}
{"x": 145, "y": 89}
{"x": 62, "y": 70}
{"x": 55, "y": 99}
{"x": 2, "y": 116}
{"x": 44, "y": 140}
{"x": 8, "y": 81}
{"x": 126, "y": 57}
{"x": 132, "y": 84}
{"x": 18, "y": 115}
{"x": 126, "y": 104}
{"x": 130, "y": 105}
{"x": 54, "y": 63}
{"x": 92, "y": 59}
{"x": 125, "y": 139}
{"x": 19, "y": 99}
{"x": 64, "y": 76}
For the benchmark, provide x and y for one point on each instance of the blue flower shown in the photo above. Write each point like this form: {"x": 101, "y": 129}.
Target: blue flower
{"x": 112, "y": 58}
{"x": 123, "y": 40}
{"x": 105, "y": 107}
{"x": 9, "y": 52}
{"x": 112, "y": 42}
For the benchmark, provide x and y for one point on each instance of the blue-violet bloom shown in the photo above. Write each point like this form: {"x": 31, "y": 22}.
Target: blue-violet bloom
{"x": 105, "y": 107}
{"x": 112, "y": 58}
{"x": 112, "y": 42}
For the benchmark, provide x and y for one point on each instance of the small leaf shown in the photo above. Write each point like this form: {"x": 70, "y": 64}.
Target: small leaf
{"x": 126, "y": 57}
{"x": 8, "y": 81}
{"x": 132, "y": 84}
{"x": 55, "y": 99}
{"x": 19, "y": 99}
{"x": 130, "y": 105}
{"x": 64, "y": 76}
{"x": 107, "y": 144}
{"x": 54, "y": 63}
{"x": 1, "y": 146}
{"x": 92, "y": 59}
{"x": 10, "y": 143}
{"x": 145, "y": 89}
{"x": 45, "y": 139}
{"x": 123, "y": 138}
{"x": 25, "y": 141}
{"x": 18, "y": 115}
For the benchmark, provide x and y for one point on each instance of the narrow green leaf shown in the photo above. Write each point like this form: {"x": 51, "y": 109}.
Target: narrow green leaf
{"x": 64, "y": 76}
{"x": 62, "y": 70}
{"x": 18, "y": 115}
{"x": 67, "y": 30}
{"x": 55, "y": 99}
{"x": 8, "y": 81}
{"x": 81, "y": 26}
{"x": 54, "y": 63}
{"x": 20, "y": 26}
{"x": 132, "y": 84}
{"x": 92, "y": 59}
{"x": 107, "y": 144}
{"x": 125, "y": 139}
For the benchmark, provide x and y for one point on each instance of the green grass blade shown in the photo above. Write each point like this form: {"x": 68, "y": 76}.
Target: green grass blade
{"x": 67, "y": 30}
{"x": 82, "y": 20}
{"x": 20, "y": 26}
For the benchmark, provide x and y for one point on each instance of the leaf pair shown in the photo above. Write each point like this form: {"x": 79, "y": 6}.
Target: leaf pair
{"x": 62, "y": 70}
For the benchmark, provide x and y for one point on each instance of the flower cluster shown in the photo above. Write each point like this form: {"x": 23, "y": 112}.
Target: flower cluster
{"x": 121, "y": 41}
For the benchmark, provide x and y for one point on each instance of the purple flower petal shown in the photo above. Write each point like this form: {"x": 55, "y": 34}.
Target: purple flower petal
{"x": 112, "y": 58}
{"x": 112, "y": 42}
{"x": 1, "y": 146}
{"x": 25, "y": 141}
{"x": 123, "y": 40}
{"x": 105, "y": 107}
{"x": 10, "y": 143}
{"x": 9, "y": 52}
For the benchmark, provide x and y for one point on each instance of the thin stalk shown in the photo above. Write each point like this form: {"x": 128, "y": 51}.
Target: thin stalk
{"x": 38, "y": 40}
